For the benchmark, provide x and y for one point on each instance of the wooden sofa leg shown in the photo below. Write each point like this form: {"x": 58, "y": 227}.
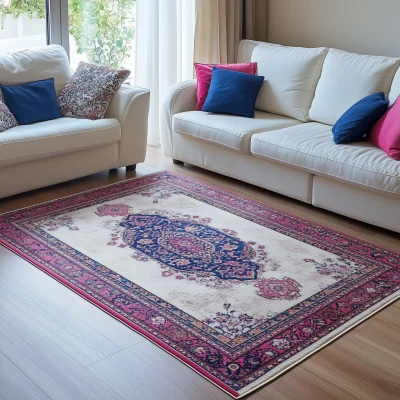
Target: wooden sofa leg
{"x": 177, "y": 161}
{"x": 131, "y": 167}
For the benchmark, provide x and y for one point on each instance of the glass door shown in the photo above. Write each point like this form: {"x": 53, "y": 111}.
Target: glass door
{"x": 23, "y": 24}
{"x": 96, "y": 31}
{"x": 102, "y": 32}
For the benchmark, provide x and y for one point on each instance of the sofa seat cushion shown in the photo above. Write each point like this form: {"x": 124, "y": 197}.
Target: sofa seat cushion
{"x": 50, "y": 138}
{"x": 310, "y": 147}
{"x": 228, "y": 130}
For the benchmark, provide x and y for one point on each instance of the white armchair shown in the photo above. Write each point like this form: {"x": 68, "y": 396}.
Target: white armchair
{"x": 49, "y": 152}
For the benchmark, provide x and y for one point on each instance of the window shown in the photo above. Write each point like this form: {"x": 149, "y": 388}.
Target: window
{"x": 96, "y": 31}
{"x": 22, "y": 24}
{"x": 102, "y": 32}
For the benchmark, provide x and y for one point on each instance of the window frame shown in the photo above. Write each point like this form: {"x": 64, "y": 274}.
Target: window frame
{"x": 57, "y": 23}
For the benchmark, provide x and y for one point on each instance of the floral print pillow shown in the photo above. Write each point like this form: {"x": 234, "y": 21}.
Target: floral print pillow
{"x": 7, "y": 120}
{"x": 90, "y": 90}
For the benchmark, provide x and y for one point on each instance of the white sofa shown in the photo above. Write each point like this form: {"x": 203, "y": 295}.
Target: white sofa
{"x": 288, "y": 146}
{"x": 45, "y": 153}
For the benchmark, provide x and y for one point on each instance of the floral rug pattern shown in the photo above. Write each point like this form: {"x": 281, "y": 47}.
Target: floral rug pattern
{"x": 236, "y": 290}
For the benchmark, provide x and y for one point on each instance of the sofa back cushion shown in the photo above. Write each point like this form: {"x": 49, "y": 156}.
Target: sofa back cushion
{"x": 35, "y": 65}
{"x": 346, "y": 78}
{"x": 291, "y": 75}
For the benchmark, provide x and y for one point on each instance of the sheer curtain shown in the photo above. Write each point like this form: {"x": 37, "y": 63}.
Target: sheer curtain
{"x": 164, "y": 51}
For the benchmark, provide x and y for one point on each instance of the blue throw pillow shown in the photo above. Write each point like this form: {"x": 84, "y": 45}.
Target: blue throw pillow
{"x": 32, "y": 102}
{"x": 359, "y": 119}
{"x": 233, "y": 92}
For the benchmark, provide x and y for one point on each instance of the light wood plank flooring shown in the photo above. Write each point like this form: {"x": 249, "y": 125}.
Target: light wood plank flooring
{"x": 55, "y": 345}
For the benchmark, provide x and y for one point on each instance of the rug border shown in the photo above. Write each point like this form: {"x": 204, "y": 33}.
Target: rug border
{"x": 205, "y": 374}
{"x": 327, "y": 343}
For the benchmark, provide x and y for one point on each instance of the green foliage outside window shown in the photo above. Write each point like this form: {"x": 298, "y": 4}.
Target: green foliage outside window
{"x": 103, "y": 29}
{"x": 34, "y": 8}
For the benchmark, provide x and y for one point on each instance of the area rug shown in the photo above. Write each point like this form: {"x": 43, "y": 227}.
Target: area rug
{"x": 236, "y": 290}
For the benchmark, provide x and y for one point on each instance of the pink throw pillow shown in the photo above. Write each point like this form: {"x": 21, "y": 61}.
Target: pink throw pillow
{"x": 386, "y": 132}
{"x": 204, "y": 73}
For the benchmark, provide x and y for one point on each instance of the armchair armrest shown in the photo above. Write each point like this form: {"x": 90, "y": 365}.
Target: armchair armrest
{"x": 179, "y": 98}
{"x": 130, "y": 106}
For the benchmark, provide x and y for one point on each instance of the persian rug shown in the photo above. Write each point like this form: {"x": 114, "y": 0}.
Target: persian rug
{"x": 236, "y": 290}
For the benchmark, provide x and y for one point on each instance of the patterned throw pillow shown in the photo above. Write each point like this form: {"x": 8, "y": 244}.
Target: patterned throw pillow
{"x": 90, "y": 90}
{"x": 7, "y": 120}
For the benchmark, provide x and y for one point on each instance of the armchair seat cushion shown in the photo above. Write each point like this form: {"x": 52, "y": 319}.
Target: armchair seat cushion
{"x": 228, "y": 130}
{"x": 50, "y": 138}
{"x": 310, "y": 147}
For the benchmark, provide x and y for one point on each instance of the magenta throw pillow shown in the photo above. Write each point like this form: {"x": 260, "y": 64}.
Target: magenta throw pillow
{"x": 204, "y": 73}
{"x": 386, "y": 132}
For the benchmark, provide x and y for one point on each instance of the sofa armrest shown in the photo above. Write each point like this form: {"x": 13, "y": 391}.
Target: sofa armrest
{"x": 130, "y": 106}
{"x": 179, "y": 98}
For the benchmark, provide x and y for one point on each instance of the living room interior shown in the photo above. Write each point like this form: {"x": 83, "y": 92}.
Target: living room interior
{"x": 199, "y": 199}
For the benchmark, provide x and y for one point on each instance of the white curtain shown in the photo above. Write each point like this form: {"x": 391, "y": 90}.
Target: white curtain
{"x": 164, "y": 51}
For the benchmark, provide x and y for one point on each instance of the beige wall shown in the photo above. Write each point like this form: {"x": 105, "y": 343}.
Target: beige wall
{"x": 360, "y": 26}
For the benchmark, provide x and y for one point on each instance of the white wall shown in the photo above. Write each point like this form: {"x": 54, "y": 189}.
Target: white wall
{"x": 360, "y": 26}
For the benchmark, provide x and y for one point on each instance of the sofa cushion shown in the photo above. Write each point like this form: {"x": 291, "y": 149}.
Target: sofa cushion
{"x": 395, "y": 88}
{"x": 347, "y": 78}
{"x": 359, "y": 119}
{"x": 291, "y": 75}
{"x": 46, "y": 139}
{"x": 310, "y": 147}
{"x": 32, "y": 102}
{"x": 90, "y": 90}
{"x": 7, "y": 120}
{"x": 233, "y": 93}
{"x": 228, "y": 130}
{"x": 34, "y": 65}
{"x": 204, "y": 75}
{"x": 386, "y": 132}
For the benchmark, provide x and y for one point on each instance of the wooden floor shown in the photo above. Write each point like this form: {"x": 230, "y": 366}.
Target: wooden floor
{"x": 55, "y": 345}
